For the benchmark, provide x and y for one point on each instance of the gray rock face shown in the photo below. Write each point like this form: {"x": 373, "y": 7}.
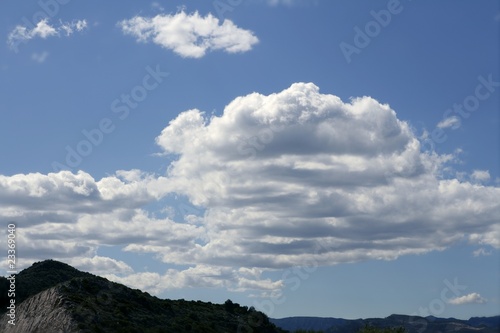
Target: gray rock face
{"x": 42, "y": 313}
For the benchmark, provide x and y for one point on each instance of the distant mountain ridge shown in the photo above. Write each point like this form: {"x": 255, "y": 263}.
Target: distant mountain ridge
{"x": 412, "y": 324}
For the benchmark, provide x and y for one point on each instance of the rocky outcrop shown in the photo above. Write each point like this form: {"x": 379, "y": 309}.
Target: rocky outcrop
{"x": 42, "y": 313}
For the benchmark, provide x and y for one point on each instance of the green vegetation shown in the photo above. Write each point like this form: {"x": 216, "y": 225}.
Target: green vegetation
{"x": 102, "y": 306}
{"x": 40, "y": 276}
{"x": 98, "y": 305}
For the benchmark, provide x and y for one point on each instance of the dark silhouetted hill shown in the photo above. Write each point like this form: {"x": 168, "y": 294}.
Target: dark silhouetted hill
{"x": 40, "y": 276}
{"x": 58, "y": 298}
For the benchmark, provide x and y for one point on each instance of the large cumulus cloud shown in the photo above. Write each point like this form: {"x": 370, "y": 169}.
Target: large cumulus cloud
{"x": 285, "y": 179}
{"x": 301, "y": 174}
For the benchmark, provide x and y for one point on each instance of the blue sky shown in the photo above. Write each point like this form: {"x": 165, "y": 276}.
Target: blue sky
{"x": 305, "y": 157}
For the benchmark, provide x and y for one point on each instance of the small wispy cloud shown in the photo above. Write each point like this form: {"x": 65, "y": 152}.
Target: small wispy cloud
{"x": 481, "y": 252}
{"x": 70, "y": 27}
{"x": 467, "y": 299}
{"x": 480, "y": 176}
{"x": 158, "y": 6}
{"x": 453, "y": 122}
{"x": 43, "y": 29}
{"x": 190, "y": 35}
{"x": 40, "y": 57}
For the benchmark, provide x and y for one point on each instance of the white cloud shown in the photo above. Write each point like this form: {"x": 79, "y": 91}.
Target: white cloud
{"x": 466, "y": 299}
{"x": 280, "y": 180}
{"x": 70, "y": 27}
{"x": 80, "y": 25}
{"x": 488, "y": 238}
{"x": 480, "y": 176}
{"x": 202, "y": 276}
{"x": 100, "y": 265}
{"x": 190, "y": 35}
{"x": 43, "y": 30}
{"x": 62, "y": 214}
{"x": 158, "y": 6}
{"x": 481, "y": 252}
{"x": 298, "y": 175}
{"x": 453, "y": 122}
{"x": 40, "y": 57}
